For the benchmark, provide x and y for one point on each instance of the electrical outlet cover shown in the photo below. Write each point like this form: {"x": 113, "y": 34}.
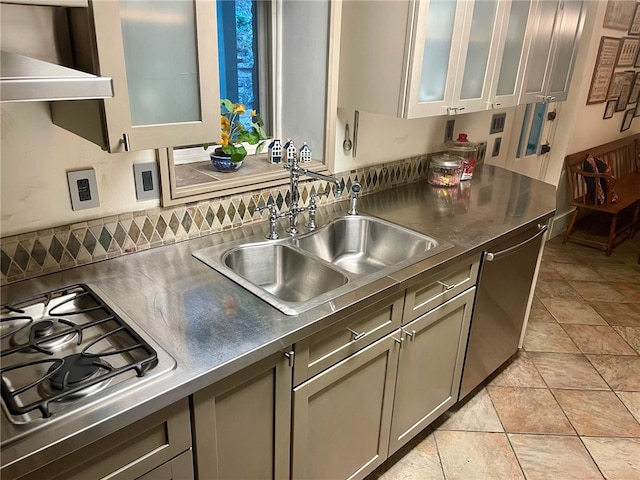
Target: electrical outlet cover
{"x": 497, "y": 123}
{"x": 448, "y": 130}
{"x": 482, "y": 152}
{"x": 496, "y": 147}
{"x": 146, "y": 177}
{"x": 83, "y": 189}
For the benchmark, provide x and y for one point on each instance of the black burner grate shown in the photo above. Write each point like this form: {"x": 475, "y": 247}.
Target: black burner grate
{"x": 116, "y": 339}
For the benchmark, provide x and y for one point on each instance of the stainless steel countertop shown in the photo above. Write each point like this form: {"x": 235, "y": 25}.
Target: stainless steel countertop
{"x": 213, "y": 327}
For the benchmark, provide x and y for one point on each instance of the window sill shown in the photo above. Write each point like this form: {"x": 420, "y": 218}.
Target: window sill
{"x": 196, "y": 181}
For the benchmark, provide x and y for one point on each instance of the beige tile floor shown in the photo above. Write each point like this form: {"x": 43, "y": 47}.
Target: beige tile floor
{"x": 568, "y": 406}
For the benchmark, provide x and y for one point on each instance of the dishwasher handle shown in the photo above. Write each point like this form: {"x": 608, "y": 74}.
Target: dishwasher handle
{"x": 490, "y": 257}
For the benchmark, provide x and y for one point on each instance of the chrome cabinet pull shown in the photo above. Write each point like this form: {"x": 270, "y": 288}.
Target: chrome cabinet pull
{"x": 127, "y": 142}
{"x": 446, "y": 285}
{"x": 411, "y": 334}
{"x": 356, "y": 335}
{"x": 356, "y": 128}
{"x": 491, "y": 256}
{"x": 398, "y": 340}
{"x": 290, "y": 355}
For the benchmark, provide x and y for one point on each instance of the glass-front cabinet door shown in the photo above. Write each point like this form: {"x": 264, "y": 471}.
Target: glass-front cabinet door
{"x": 478, "y": 53}
{"x": 456, "y": 46}
{"x": 568, "y": 32}
{"x": 162, "y": 56}
{"x": 510, "y": 63}
{"x": 435, "y": 57}
{"x": 554, "y": 46}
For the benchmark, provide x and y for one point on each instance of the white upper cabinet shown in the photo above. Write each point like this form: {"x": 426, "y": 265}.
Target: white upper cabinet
{"x": 425, "y": 58}
{"x": 162, "y": 57}
{"x": 431, "y": 57}
{"x": 553, "y": 50}
{"x": 462, "y": 39}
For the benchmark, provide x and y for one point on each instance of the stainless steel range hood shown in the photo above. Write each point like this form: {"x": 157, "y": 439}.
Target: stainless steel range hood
{"x": 24, "y": 79}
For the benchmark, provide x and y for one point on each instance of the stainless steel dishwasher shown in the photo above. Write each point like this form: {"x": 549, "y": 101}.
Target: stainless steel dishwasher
{"x": 501, "y": 304}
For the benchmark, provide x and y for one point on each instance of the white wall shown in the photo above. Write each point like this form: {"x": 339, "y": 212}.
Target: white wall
{"x": 582, "y": 125}
{"x": 384, "y": 139}
{"x": 35, "y": 154}
{"x": 34, "y": 158}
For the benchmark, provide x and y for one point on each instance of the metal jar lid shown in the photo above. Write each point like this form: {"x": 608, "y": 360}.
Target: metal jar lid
{"x": 447, "y": 161}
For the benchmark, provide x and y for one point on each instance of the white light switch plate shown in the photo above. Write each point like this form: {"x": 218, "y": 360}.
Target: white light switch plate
{"x": 83, "y": 188}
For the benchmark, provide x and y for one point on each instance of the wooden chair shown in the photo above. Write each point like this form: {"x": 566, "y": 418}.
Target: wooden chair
{"x": 622, "y": 156}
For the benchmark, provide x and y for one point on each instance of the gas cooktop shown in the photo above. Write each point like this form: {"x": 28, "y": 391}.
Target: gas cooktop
{"x": 66, "y": 348}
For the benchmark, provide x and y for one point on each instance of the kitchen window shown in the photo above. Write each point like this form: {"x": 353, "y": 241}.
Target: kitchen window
{"x": 240, "y": 24}
{"x": 284, "y": 71}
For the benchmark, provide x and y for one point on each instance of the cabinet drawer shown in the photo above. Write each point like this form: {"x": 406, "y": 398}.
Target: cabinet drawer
{"x": 180, "y": 468}
{"x": 128, "y": 453}
{"x": 318, "y": 352}
{"x": 440, "y": 287}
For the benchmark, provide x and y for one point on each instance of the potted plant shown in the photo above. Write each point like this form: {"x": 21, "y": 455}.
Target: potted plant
{"x": 229, "y": 155}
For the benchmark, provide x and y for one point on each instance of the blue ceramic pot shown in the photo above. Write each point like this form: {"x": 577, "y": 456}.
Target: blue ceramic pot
{"x": 224, "y": 163}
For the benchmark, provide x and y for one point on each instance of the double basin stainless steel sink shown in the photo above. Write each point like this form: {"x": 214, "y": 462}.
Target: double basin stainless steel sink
{"x": 295, "y": 274}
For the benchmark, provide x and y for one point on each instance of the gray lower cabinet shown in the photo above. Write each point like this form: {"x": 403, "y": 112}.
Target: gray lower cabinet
{"x": 327, "y": 347}
{"x": 132, "y": 452}
{"x": 342, "y": 416}
{"x": 430, "y": 367}
{"x": 179, "y": 468}
{"x": 242, "y": 424}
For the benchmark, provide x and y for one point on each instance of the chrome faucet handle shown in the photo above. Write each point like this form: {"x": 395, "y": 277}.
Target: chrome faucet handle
{"x": 313, "y": 207}
{"x": 356, "y": 188}
{"x": 315, "y": 196}
{"x": 273, "y": 219}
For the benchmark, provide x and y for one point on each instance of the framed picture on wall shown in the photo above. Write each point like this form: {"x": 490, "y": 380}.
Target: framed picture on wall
{"x": 634, "y": 29}
{"x": 626, "y": 121}
{"x": 628, "y": 52}
{"x": 603, "y": 69}
{"x": 625, "y": 91}
{"x": 616, "y": 85}
{"x": 619, "y": 14}
{"x": 635, "y": 89}
{"x": 610, "y": 109}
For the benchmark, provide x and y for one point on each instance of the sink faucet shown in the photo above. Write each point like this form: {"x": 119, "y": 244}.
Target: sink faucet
{"x": 295, "y": 171}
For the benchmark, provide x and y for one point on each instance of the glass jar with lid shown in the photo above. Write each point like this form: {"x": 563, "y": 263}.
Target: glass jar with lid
{"x": 468, "y": 151}
{"x": 444, "y": 170}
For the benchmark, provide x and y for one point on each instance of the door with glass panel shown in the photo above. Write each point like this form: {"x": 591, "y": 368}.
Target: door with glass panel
{"x": 163, "y": 60}
{"x": 533, "y": 139}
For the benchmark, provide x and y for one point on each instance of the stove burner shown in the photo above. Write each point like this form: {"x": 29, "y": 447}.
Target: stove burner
{"x": 42, "y": 329}
{"x": 48, "y": 335}
{"x": 74, "y": 369}
{"x": 64, "y": 345}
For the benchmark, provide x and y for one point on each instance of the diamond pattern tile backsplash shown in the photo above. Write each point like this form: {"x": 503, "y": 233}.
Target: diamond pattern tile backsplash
{"x": 45, "y": 251}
